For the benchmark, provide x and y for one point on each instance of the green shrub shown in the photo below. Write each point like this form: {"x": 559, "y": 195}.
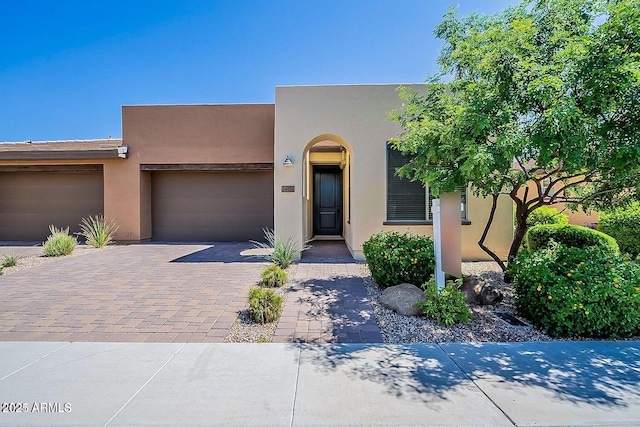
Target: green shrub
{"x": 280, "y": 252}
{"x": 59, "y": 242}
{"x": 273, "y": 276}
{"x": 395, "y": 258}
{"x": 447, "y": 306}
{"x": 265, "y": 305}
{"x": 10, "y": 260}
{"x": 623, "y": 224}
{"x": 572, "y": 292}
{"x": 97, "y": 231}
{"x": 547, "y": 215}
{"x": 576, "y": 236}
{"x": 1, "y": 271}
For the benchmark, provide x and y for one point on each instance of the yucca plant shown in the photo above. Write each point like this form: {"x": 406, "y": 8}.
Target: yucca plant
{"x": 10, "y": 260}
{"x": 280, "y": 252}
{"x": 59, "y": 242}
{"x": 97, "y": 231}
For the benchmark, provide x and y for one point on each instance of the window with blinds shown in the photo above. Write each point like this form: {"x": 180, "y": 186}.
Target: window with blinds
{"x": 406, "y": 200}
{"x": 463, "y": 202}
{"x": 410, "y": 201}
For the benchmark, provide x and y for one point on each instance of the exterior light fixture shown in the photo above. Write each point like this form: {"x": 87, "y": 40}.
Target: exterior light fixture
{"x": 287, "y": 161}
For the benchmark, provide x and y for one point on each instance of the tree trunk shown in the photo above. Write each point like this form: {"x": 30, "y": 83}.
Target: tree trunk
{"x": 496, "y": 258}
{"x": 521, "y": 230}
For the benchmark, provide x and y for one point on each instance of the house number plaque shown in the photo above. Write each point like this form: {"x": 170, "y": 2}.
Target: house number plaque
{"x": 288, "y": 188}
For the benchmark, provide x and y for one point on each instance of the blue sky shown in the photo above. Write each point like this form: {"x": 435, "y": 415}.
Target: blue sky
{"x": 67, "y": 66}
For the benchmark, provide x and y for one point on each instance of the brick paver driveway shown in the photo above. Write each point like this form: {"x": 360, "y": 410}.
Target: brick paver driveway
{"x": 146, "y": 292}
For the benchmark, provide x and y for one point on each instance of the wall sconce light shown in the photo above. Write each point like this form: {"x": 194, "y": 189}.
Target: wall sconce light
{"x": 287, "y": 161}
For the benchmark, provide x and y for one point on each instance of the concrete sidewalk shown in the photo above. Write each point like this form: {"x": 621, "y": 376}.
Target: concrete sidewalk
{"x": 551, "y": 383}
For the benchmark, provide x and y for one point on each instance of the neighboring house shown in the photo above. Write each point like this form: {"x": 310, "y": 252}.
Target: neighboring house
{"x": 313, "y": 165}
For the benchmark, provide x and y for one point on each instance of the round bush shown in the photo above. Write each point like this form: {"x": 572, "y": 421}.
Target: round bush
{"x": 265, "y": 305}
{"x": 273, "y": 276}
{"x": 623, "y": 224}
{"x": 571, "y": 292}
{"x": 395, "y": 258}
{"x": 575, "y": 236}
{"x": 547, "y": 215}
{"x": 59, "y": 242}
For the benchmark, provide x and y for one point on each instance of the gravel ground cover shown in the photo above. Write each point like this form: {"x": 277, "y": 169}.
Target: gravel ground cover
{"x": 245, "y": 329}
{"x": 485, "y": 326}
{"x": 29, "y": 260}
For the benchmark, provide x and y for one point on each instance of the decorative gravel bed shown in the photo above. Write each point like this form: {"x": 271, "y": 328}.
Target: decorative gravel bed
{"x": 29, "y": 260}
{"x": 485, "y": 326}
{"x": 245, "y": 329}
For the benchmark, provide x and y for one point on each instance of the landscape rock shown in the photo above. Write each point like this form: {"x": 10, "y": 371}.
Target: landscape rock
{"x": 478, "y": 292}
{"x": 402, "y": 299}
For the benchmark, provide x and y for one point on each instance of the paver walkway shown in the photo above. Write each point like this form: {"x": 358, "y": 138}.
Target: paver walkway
{"x": 327, "y": 301}
{"x": 147, "y": 292}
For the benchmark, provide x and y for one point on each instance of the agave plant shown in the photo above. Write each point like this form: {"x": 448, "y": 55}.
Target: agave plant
{"x": 97, "y": 231}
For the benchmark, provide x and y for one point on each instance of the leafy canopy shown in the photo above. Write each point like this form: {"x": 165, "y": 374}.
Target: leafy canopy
{"x": 546, "y": 90}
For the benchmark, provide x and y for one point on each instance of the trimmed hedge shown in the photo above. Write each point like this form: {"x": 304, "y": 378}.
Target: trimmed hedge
{"x": 572, "y": 292}
{"x": 623, "y": 224}
{"x": 575, "y": 236}
{"x": 547, "y": 215}
{"x": 395, "y": 258}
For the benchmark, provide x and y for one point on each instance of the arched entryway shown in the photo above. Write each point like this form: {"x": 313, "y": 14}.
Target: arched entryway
{"x": 327, "y": 188}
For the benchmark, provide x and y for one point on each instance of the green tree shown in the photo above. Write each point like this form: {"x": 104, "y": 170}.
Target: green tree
{"x": 546, "y": 92}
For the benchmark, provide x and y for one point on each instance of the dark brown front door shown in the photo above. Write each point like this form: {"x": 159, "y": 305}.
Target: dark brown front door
{"x": 327, "y": 200}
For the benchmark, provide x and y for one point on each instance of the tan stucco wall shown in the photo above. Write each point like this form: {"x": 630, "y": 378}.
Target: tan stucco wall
{"x": 357, "y": 117}
{"x": 578, "y": 218}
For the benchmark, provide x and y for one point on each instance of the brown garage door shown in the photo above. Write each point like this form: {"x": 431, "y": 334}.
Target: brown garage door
{"x": 211, "y": 206}
{"x": 31, "y": 201}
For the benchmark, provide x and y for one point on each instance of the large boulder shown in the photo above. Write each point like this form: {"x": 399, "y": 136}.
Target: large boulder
{"x": 402, "y": 299}
{"x": 478, "y": 292}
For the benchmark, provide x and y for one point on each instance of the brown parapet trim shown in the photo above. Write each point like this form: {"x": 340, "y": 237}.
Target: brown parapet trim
{"x": 195, "y": 167}
{"x": 52, "y": 168}
{"x": 62, "y": 155}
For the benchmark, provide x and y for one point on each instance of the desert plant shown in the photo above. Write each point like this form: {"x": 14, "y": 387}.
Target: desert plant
{"x": 265, "y": 305}
{"x": 446, "y": 306}
{"x": 538, "y": 237}
{"x": 572, "y": 292}
{"x": 547, "y": 215}
{"x": 59, "y": 242}
{"x": 10, "y": 260}
{"x": 623, "y": 225}
{"x": 273, "y": 276}
{"x": 395, "y": 258}
{"x": 280, "y": 252}
{"x": 97, "y": 231}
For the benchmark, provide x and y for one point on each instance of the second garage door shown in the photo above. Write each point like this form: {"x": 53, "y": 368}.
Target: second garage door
{"x": 31, "y": 201}
{"x": 211, "y": 206}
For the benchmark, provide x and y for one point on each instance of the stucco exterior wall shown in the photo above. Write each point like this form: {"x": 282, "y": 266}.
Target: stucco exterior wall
{"x": 176, "y": 134}
{"x": 357, "y": 117}
{"x": 180, "y": 134}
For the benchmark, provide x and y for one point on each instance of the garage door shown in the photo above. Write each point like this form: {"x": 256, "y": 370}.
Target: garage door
{"x": 31, "y": 201}
{"x": 211, "y": 206}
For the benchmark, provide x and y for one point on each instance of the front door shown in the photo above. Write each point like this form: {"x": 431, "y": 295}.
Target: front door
{"x": 327, "y": 200}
